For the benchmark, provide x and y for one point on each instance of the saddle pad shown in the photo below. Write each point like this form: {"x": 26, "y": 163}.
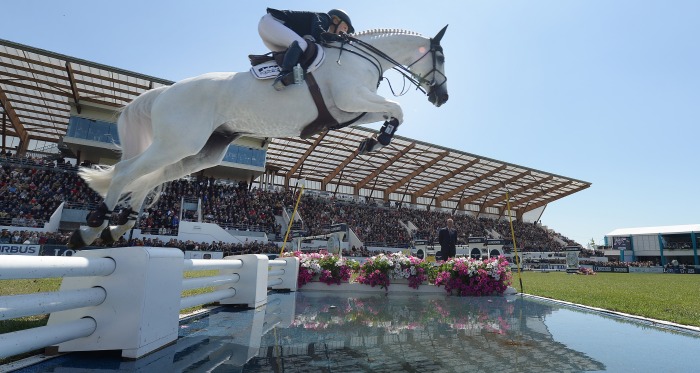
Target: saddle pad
{"x": 270, "y": 69}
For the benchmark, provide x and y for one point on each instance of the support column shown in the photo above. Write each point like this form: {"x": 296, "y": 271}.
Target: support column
{"x": 694, "y": 238}
{"x": 661, "y": 251}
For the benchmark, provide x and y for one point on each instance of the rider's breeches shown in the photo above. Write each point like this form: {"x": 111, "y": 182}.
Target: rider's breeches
{"x": 276, "y": 36}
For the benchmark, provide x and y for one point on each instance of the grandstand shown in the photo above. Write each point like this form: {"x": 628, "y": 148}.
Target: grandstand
{"x": 660, "y": 245}
{"x": 57, "y": 107}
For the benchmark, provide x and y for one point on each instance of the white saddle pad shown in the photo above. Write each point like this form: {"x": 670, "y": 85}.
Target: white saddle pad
{"x": 270, "y": 69}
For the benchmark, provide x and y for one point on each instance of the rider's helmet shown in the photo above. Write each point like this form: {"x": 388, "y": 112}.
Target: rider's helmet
{"x": 343, "y": 17}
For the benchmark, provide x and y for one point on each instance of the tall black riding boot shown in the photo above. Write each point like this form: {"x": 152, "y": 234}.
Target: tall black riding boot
{"x": 291, "y": 58}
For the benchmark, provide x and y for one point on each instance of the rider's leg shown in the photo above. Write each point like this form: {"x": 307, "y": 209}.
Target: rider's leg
{"x": 291, "y": 59}
{"x": 276, "y": 36}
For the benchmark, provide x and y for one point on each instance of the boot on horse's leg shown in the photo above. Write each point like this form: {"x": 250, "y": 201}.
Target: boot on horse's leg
{"x": 124, "y": 221}
{"x": 96, "y": 221}
{"x": 291, "y": 59}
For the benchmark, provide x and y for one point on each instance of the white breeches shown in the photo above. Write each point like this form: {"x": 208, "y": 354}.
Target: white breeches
{"x": 276, "y": 36}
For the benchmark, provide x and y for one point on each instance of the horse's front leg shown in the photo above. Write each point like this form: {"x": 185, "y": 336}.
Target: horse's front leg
{"x": 363, "y": 100}
{"x": 386, "y": 133}
{"x": 378, "y": 108}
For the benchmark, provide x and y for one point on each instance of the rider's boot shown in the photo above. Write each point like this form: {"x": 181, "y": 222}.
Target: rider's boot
{"x": 291, "y": 59}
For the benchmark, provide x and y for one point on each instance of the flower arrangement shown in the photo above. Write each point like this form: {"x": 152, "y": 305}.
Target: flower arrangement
{"x": 585, "y": 271}
{"x": 467, "y": 276}
{"x": 329, "y": 268}
{"x": 381, "y": 269}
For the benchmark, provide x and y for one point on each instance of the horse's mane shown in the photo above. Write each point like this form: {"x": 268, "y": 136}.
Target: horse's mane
{"x": 384, "y": 31}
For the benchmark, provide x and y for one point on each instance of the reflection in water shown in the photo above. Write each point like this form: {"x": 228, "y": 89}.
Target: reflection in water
{"x": 337, "y": 332}
{"x": 375, "y": 333}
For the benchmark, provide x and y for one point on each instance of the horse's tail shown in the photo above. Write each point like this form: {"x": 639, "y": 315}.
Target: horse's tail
{"x": 135, "y": 134}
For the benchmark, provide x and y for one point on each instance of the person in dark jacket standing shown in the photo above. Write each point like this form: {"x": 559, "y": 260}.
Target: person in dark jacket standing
{"x": 447, "y": 237}
{"x": 285, "y": 29}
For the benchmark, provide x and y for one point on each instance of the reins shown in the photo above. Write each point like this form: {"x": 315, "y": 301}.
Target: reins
{"x": 368, "y": 50}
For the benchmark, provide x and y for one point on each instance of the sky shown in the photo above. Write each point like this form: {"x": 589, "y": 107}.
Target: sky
{"x": 604, "y": 91}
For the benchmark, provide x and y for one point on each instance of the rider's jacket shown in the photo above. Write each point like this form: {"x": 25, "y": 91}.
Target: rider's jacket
{"x": 303, "y": 23}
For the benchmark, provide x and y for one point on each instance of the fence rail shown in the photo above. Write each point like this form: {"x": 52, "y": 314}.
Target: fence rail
{"x": 27, "y": 267}
{"x": 15, "y": 306}
{"x": 130, "y": 284}
{"x": 33, "y": 339}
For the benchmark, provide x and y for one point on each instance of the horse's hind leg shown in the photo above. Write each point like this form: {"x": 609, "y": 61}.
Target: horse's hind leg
{"x": 124, "y": 221}
{"x": 211, "y": 155}
{"x": 158, "y": 155}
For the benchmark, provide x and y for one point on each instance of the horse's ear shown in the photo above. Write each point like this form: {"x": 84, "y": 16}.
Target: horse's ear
{"x": 439, "y": 35}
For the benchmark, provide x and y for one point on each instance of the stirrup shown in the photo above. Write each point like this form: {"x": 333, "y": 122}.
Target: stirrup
{"x": 283, "y": 80}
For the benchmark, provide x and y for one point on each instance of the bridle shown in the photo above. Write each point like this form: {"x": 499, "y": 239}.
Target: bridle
{"x": 370, "y": 53}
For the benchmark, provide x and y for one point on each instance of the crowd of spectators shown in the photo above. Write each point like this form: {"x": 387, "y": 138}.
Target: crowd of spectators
{"x": 58, "y": 238}
{"x": 378, "y": 225}
{"x": 31, "y": 190}
{"x": 678, "y": 245}
{"x": 229, "y": 205}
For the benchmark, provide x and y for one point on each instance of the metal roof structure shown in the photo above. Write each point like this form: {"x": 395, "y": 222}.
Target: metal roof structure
{"x": 416, "y": 172}
{"x": 37, "y": 88}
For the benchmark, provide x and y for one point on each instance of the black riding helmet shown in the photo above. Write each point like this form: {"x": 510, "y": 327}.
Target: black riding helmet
{"x": 343, "y": 17}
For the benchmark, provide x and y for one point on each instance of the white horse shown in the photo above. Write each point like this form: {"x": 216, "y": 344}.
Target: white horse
{"x": 170, "y": 132}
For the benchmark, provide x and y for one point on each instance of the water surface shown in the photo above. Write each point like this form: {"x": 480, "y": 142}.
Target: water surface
{"x": 341, "y": 332}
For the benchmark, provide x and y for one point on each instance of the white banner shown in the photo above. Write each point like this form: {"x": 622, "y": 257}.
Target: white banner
{"x": 19, "y": 249}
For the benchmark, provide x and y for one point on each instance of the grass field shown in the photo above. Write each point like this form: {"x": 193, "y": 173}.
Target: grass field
{"x": 669, "y": 297}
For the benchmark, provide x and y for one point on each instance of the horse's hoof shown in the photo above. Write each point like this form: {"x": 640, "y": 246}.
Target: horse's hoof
{"x": 366, "y": 146}
{"x": 75, "y": 241}
{"x": 106, "y": 236}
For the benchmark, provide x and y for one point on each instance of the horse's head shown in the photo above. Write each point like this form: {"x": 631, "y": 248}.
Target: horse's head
{"x": 430, "y": 70}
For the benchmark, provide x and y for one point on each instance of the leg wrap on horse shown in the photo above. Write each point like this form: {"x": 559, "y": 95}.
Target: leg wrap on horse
{"x": 386, "y": 133}
{"x": 97, "y": 217}
{"x": 125, "y": 215}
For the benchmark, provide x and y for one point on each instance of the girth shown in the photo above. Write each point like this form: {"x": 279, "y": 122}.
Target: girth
{"x": 324, "y": 121}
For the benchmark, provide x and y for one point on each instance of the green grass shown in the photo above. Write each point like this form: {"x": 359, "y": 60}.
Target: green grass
{"x": 674, "y": 298}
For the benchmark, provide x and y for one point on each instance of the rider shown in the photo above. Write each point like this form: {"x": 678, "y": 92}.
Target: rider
{"x": 281, "y": 29}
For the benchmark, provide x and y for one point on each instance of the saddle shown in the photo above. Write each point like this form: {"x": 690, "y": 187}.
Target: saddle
{"x": 266, "y": 66}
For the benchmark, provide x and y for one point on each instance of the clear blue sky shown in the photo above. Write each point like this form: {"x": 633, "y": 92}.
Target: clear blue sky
{"x": 605, "y": 91}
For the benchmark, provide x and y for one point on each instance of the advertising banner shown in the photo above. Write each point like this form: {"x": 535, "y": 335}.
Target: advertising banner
{"x": 19, "y": 249}
{"x": 622, "y": 243}
{"x": 611, "y": 269}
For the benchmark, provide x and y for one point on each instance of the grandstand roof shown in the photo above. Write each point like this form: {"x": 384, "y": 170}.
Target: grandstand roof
{"x": 670, "y": 229}
{"x": 37, "y": 88}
